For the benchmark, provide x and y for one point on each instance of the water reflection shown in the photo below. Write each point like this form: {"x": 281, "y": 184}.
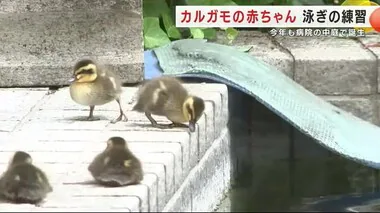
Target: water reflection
{"x": 278, "y": 168}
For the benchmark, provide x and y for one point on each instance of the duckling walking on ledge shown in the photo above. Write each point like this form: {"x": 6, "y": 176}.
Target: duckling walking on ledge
{"x": 92, "y": 86}
{"x": 116, "y": 165}
{"x": 23, "y": 182}
{"x": 167, "y": 97}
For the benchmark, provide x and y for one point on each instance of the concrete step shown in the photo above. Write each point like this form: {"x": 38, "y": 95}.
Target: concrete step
{"x": 40, "y": 48}
{"x": 63, "y": 147}
{"x": 64, "y": 5}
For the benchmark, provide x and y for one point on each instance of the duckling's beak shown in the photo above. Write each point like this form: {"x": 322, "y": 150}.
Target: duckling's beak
{"x": 72, "y": 79}
{"x": 192, "y": 126}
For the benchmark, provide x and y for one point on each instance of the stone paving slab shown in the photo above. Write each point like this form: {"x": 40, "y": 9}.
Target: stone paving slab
{"x": 77, "y": 163}
{"x": 64, "y": 148}
{"x": 216, "y": 114}
{"x": 73, "y": 5}
{"x": 16, "y": 104}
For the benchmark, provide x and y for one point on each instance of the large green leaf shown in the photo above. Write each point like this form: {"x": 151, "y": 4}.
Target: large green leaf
{"x": 154, "y": 8}
{"x": 170, "y": 28}
{"x": 197, "y": 33}
{"x": 209, "y": 33}
{"x": 231, "y": 33}
{"x": 154, "y": 36}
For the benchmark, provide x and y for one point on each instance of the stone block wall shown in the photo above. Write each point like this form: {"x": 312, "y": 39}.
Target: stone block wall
{"x": 42, "y": 39}
{"x": 276, "y": 165}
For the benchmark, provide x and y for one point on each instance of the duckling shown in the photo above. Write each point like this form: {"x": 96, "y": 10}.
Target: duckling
{"x": 23, "y": 182}
{"x": 116, "y": 165}
{"x": 167, "y": 97}
{"x": 92, "y": 85}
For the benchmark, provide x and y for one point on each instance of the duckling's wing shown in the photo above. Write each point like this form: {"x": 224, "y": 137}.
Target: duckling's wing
{"x": 111, "y": 84}
{"x": 97, "y": 165}
{"x": 152, "y": 99}
{"x": 44, "y": 181}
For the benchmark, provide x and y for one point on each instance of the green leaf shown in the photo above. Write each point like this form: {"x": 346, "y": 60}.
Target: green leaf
{"x": 210, "y": 2}
{"x": 154, "y": 8}
{"x": 198, "y": 2}
{"x": 309, "y": 2}
{"x": 170, "y": 28}
{"x": 197, "y": 33}
{"x": 231, "y": 33}
{"x": 154, "y": 36}
{"x": 222, "y": 2}
{"x": 253, "y": 2}
{"x": 209, "y": 33}
{"x": 284, "y": 2}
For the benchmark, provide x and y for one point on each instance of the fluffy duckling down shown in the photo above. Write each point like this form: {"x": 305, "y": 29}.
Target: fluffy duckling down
{"x": 166, "y": 96}
{"x": 93, "y": 85}
{"x": 116, "y": 165}
{"x": 23, "y": 182}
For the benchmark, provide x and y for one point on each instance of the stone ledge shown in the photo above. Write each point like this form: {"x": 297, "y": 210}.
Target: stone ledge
{"x": 264, "y": 49}
{"x": 324, "y": 66}
{"x": 40, "y": 49}
{"x": 206, "y": 184}
{"x": 375, "y": 51}
{"x": 64, "y": 146}
{"x": 340, "y": 70}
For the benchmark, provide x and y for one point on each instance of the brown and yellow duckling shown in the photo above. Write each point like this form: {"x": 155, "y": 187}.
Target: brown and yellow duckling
{"x": 166, "y": 96}
{"x": 23, "y": 182}
{"x": 93, "y": 85}
{"x": 116, "y": 165}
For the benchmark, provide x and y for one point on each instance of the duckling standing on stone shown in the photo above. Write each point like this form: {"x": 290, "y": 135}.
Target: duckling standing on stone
{"x": 92, "y": 86}
{"x": 167, "y": 97}
{"x": 116, "y": 165}
{"x": 23, "y": 182}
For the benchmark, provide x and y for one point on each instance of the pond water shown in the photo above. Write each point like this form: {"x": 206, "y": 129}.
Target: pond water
{"x": 277, "y": 186}
{"x": 277, "y": 168}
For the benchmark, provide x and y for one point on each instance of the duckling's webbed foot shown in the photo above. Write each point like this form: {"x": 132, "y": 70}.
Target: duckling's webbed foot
{"x": 154, "y": 122}
{"x": 91, "y": 115}
{"x": 121, "y": 116}
{"x": 178, "y": 125}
